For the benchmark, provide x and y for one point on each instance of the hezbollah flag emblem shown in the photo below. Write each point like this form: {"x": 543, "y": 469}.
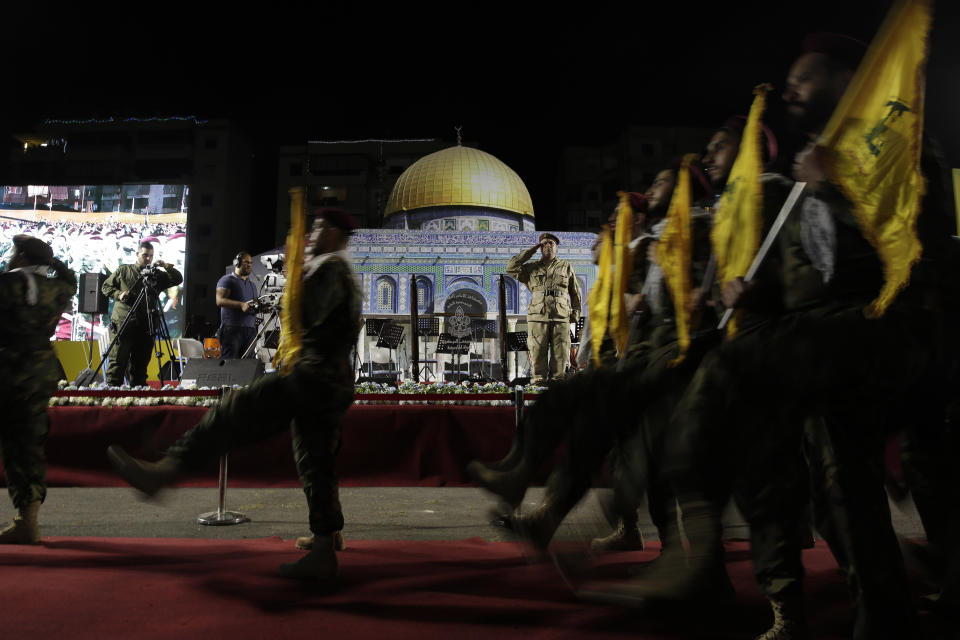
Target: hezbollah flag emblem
{"x": 872, "y": 144}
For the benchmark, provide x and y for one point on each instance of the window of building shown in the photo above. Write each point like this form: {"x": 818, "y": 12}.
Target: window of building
{"x": 424, "y": 294}
{"x": 296, "y": 168}
{"x": 510, "y": 289}
{"x": 386, "y": 294}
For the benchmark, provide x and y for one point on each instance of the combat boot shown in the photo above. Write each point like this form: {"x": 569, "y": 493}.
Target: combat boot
{"x": 146, "y": 477}
{"x": 789, "y": 619}
{"x": 677, "y": 575}
{"x": 306, "y": 542}
{"x": 320, "y": 563}
{"x": 509, "y": 485}
{"x": 24, "y": 528}
{"x": 538, "y": 527}
{"x": 626, "y": 537}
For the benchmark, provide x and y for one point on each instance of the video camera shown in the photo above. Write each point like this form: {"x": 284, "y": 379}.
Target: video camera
{"x": 149, "y": 277}
{"x": 273, "y": 262}
{"x": 275, "y": 281}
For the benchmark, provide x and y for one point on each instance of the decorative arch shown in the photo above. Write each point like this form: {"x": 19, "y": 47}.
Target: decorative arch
{"x": 385, "y": 295}
{"x": 511, "y": 289}
{"x": 424, "y": 294}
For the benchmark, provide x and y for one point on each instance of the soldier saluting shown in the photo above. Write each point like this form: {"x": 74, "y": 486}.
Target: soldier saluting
{"x": 555, "y": 304}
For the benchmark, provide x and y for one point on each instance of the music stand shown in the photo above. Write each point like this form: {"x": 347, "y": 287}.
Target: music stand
{"x": 456, "y": 347}
{"x": 375, "y": 325}
{"x": 428, "y": 327}
{"x": 482, "y": 329}
{"x": 578, "y": 333}
{"x": 389, "y": 338}
{"x": 516, "y": 342}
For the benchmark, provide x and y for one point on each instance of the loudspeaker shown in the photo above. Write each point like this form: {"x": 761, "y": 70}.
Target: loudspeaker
{"x": 91, "y": 298}
{"x": 212, "y": 372}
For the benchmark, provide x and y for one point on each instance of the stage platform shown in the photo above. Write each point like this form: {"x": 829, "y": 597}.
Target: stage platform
{"x": 383, "y": 445}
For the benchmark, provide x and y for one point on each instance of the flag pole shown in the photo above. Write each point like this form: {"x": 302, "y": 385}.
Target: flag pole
{"x": 785, "y": 210}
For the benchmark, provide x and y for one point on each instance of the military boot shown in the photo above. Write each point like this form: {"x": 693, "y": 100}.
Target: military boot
{"x": 676, "y": 574}
{"x": 538, "y": 527}
{"x": 626, "y": 537}
{"x": 24, "y": 528}
{"x": 147, "y": 477}
{"x": 789, "y": 619}
{"x": 306, "y": 542}
{"x": 509, "y": 485}
{"x": 320, "y": 563}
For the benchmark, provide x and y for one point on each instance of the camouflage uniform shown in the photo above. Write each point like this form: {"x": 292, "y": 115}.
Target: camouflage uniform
{"x": 136, "y": 344}
{"x": 28, "y": 374}
{"x": 310, "y": 400}
{"x": 555, "y": 304}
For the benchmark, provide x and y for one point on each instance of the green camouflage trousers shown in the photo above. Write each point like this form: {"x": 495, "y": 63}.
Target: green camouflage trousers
{"x": 28, "y": 380}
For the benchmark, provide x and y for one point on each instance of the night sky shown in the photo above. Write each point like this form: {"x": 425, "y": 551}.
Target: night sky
{"x": 522, "y": 85}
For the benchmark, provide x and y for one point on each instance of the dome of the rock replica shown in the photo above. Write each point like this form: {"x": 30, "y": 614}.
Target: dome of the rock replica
{"x": 459, "y": 189}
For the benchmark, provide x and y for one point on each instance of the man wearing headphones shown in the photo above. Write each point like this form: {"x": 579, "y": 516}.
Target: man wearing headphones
{"x": 235, "y": 296}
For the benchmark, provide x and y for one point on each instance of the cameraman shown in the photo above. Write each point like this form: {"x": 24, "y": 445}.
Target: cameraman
{"x": 136, "y": 342}
{"x": 235, "y": 295}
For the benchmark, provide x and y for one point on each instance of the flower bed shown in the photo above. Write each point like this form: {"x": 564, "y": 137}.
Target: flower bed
{"x": 450, "y": 393}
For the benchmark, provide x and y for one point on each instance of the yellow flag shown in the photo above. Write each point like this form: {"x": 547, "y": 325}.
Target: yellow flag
{"x": 674, "y": 254}
{"x": 872, "y": 144}
{"x": 738, "y": 223}
{"x": 599, "y": 299}
{"x": 291, "y": 333}
{"x": 619, "y": 325}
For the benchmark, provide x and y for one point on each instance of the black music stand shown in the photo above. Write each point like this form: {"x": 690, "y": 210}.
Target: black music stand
{"x": 428, "y": 327}
{"x": 389, "y": 337}
{"x": 456, "y": 347}
{"x": 480, "y": 330}
{"x": 375, "y": 325}
{"x": 516, "y": 342}
{"x": 578, "y": 333}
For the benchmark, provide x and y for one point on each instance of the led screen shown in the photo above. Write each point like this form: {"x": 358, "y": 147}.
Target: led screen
{"x": 95, "y": 229}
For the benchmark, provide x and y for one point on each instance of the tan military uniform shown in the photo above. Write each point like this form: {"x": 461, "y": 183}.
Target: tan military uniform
{"x": 555, "y": 304}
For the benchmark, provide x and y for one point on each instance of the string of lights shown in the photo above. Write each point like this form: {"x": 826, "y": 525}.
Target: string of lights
{"x": 194, "y": 119}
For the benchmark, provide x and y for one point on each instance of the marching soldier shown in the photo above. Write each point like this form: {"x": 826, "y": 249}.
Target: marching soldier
{"x": 310, "y": 400}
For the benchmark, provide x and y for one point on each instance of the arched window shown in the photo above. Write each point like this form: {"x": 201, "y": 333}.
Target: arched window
{"x": 424, "y": 294}
{"x": 510, "y": 288}
{"x": 386, "y": 295}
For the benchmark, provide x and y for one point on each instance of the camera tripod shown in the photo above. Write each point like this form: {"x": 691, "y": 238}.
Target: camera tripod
{"x": 263, "y": 325}
{"x": 156, "y": 327}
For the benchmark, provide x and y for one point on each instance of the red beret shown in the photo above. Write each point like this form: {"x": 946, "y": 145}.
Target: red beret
{"x": 699, "y": 184}
{"x": 337, "y": 218}
{"x": 35, "y": 250}
{"x": 841, "y": 48}
{"x": 739, "y": 123}
{"x": 638, "y": 201}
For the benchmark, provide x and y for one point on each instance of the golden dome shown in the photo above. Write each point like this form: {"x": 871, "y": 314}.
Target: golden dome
{"x": 460, "y": 176}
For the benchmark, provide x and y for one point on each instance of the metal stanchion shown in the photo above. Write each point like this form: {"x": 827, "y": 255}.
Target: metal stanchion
{"x": 221, "y": 516}
{"x": 517, "y": 406}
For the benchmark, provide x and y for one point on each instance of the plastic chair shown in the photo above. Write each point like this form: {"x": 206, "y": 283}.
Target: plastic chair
{"x": 188, "y": 348}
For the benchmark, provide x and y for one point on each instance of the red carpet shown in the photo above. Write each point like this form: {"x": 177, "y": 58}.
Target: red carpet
{"x": 179, "y": 588}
